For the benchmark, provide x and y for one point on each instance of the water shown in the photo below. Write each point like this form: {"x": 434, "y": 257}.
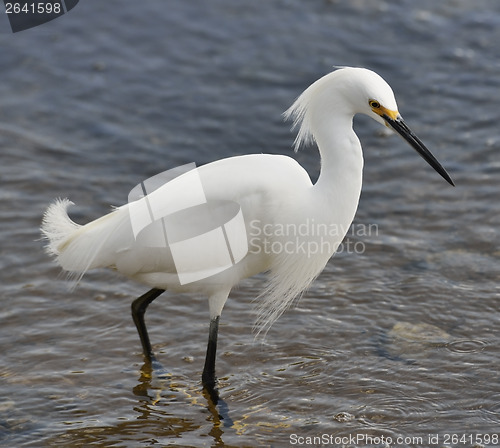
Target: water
{"x": 399, "y": 336}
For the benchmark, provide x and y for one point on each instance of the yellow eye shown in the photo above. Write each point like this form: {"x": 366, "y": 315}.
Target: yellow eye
{"x": 374, "y": 104}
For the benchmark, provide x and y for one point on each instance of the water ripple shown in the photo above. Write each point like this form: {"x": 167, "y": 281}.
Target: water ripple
{"x": 490, "y": 409}
{"x": 394, "y": 408}
{"x": 466, "y": 346}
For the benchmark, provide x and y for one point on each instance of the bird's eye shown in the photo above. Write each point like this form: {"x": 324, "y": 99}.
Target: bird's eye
{"x": 374, "y": 104}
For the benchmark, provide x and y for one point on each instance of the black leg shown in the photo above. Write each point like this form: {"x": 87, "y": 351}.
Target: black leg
{"x": 208, "y": 377}
{"x": 139, "y": 307}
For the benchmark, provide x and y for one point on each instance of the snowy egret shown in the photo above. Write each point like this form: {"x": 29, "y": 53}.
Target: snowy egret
{"x": 292, "y": 226}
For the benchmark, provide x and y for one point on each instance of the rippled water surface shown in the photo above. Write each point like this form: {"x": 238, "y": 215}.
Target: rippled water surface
{"x": 399, "y": 337}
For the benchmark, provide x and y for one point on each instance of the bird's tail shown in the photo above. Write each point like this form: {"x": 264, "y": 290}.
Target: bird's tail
{"x": 79, "y": 248}
{"x": 57, "y": 226}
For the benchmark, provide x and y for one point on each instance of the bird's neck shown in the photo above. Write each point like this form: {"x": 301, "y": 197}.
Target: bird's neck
{"x": 341, "y": 173}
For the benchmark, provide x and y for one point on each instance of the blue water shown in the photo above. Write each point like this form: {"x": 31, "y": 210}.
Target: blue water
{"x": 398, "y": 339}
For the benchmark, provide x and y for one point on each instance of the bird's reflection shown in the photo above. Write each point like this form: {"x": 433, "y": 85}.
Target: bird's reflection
{"x": 156, "y": 383}
{"x": 164, "y": 408}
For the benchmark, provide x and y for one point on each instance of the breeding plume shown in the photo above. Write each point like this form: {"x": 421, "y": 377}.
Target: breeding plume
{"x": 208, "y": 228}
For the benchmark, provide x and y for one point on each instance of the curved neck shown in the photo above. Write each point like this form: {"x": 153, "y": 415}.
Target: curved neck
{"x": 341, "y": 155}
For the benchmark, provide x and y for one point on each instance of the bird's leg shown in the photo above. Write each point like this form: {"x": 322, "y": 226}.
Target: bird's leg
{"x": 139, "y": 307}
{"x": 208, "y": 377}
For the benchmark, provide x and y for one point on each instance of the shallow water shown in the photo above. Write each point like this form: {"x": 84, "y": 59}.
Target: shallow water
{"x": 397, "y": 338}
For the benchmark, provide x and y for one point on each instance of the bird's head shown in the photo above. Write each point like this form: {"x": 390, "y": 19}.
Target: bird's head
{"x": 352, "y": 91}
{"x": 376, "y": 99}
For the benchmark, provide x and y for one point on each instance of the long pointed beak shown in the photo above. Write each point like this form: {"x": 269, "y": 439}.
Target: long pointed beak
{"x": 404, "y": 131}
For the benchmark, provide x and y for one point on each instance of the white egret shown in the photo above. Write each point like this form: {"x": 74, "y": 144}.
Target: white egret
{"x": 285, "y": 214}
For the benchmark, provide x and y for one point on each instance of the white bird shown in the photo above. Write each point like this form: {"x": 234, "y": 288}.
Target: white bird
{"x": 291, "y": 226}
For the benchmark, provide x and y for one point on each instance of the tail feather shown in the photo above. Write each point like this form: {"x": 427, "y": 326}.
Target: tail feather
{"x": 57, "y": 226}
{"x": 77, "y": 248}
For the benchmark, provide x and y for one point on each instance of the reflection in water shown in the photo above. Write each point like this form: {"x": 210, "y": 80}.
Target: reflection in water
{"x": 155, "y": 422}
{"x": 155, "y": 380}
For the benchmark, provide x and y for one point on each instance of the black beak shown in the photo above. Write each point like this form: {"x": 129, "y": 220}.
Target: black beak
{"x": 404, "y": 131}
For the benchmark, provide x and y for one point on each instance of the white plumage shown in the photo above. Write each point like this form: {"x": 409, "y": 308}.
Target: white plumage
{"x": 276, "y": 197}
